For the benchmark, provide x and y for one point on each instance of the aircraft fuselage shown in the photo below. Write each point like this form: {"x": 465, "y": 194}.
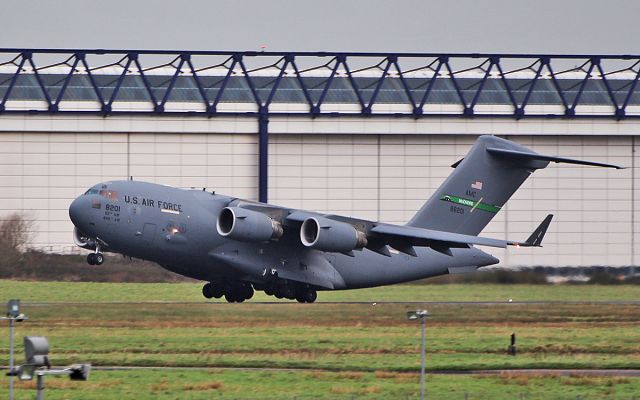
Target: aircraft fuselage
{"x": 176, "y": 228}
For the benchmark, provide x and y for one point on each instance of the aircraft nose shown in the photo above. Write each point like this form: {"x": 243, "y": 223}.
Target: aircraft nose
{"x": 76, "y": 209}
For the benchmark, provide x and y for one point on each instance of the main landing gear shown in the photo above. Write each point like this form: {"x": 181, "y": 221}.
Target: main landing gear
{"x": 235, "y": 292}
{"x": 282, "y": 289}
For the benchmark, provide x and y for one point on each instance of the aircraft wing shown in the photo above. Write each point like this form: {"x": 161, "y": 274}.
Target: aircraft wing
{"x": 443, "y": 241}
{"x": 339, "y": 234}
{"x": 403, "y": 238}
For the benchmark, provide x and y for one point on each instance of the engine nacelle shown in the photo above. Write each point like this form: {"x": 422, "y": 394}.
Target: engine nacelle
{"x": 247, "y": 226}
{"x": 83, "y": 241}
{"x": 329, "y": 235}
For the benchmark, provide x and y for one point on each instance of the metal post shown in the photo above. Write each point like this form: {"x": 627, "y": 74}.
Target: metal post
{"x": 11, "y": 332}
{"x": 423, "y": 323}
{"x": 40, "y": 387}
{"x": 263, "y": 155}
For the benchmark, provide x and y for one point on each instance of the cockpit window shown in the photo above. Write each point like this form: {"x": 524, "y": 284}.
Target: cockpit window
{"x": 109, "y": 194}
{"x": 91, "y": 191}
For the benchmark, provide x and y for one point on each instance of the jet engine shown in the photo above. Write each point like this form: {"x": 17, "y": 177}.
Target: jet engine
{"x": 83, "y": 241}
{"x": 329, "y": 235}
{"x": 247, "y": 226}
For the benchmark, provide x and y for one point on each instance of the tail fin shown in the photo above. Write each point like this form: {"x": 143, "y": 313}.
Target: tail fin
{"x": 481, "y": 184}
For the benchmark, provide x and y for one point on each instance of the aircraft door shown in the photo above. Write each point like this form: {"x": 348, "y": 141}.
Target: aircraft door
{"x": 148, "y": 233}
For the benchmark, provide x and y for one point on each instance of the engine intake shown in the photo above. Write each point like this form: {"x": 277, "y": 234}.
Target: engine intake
{"x": 329, "y": 235}
{"x": 247, "y": 226}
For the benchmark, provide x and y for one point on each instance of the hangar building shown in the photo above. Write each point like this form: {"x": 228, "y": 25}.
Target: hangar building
{"x": 365, "y": 135}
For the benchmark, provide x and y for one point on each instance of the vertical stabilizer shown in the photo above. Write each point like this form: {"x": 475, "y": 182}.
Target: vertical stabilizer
{"x": 481, "y": 184}
{"x": 477, "y": 189}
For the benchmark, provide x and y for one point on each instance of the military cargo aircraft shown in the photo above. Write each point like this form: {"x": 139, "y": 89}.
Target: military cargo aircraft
{"x": 238, "y": 246}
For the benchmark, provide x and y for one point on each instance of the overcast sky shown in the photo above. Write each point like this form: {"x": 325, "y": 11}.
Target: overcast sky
{"x": 543, "y": 26}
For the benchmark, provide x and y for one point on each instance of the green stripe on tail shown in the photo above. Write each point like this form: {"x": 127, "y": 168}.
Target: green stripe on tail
{"x": 470, "y": 203}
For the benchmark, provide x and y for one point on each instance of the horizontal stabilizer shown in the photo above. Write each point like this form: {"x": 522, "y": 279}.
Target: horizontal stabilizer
{"x": 521, "y": 155}
{"x": 535, "y": 240}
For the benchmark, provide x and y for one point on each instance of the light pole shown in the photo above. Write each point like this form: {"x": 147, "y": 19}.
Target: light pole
{"x": 13, "y": 316}
{"x": 422, "y": 316}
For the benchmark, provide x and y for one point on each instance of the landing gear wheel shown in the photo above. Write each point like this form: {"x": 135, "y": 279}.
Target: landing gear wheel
{"x": 99, "y": 258}
{"x": 247, "y": 291}
{"x": 288, "y": 293}
{"x": 307, "y": 296}
{"x": 207, "y": 290}
{"x": 91, "y": 259}
{"x": 217, "y": 291}
{"x": 233, "y": 298}
{"x": 238, "y": 292}
{"x": 312, "y": 295}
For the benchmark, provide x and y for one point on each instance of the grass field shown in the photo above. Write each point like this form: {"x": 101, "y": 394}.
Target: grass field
{"x": 345, "y": 350}
{"x": 311, "y": 385}
{"x": 145, "y": 292}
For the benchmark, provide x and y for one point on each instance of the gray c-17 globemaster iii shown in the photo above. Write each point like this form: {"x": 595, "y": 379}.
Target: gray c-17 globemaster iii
{"x": 238, "y": 246}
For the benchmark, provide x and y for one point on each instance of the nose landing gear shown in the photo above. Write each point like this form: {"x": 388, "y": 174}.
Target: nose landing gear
{"x": 95, "y": 258}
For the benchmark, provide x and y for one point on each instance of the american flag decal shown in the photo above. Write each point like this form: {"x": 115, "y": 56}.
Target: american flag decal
{"x": 477, "y": 185}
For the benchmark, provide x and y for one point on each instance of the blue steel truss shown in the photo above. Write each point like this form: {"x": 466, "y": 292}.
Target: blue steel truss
{"x": 364, "y": 80}
{"x": 410, "y": 85}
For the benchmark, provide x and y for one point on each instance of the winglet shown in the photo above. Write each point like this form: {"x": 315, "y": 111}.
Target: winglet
{"x": 535, "y": 240}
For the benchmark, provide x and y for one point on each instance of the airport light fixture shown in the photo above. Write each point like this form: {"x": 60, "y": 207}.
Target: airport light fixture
{"x": 13, "y": 315}
{"x": 36, "y": 349}
{"x": 422, "y": 316}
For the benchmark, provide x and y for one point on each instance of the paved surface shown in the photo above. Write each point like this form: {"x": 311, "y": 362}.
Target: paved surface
{"x": 37, "y": 304}
{"x": 558, "y": 372}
